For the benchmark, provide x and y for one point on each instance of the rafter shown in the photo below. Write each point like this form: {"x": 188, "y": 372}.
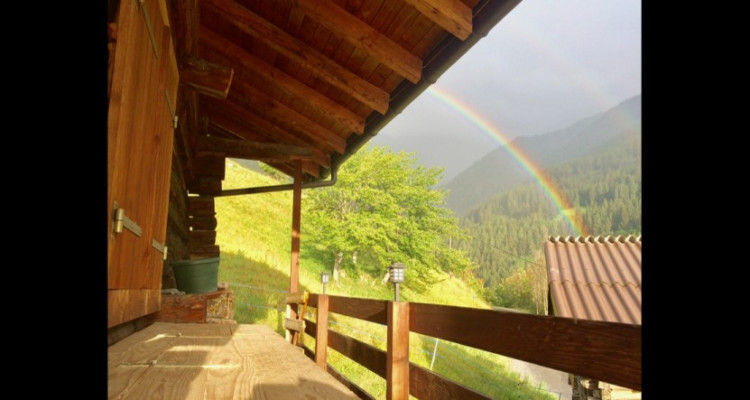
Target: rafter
{"x": 253, "y": 125}
{"x": 276, "y": 38}
{"x": 452, "y": 15}
{"x": 246, "y": 64}
{"x": 207, "y": 78}
{"x": 248, "y": 150}
{"x": 359, "y": 34}
{"x": 273, "y": 109}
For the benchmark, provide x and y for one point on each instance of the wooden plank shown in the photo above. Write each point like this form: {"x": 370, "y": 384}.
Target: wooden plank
{"x": 201, "y": 205}
{"x": 297, "y": 50}
{"x": 397, "y": 363}
{"x": 296, "y": 325}
{"x": 205, "y": 77}
{"x": 425, "y": 384}
{"x": 251, "y": 150}
{"x": 205, "y": 222}
{"x": 204, "y": 330}
{"x": 358, "y": 33}
{"x": 217, "y": 113}
{"x": 203, "y": 236}
{"x": 284, "y": 372}
{"x": 185, "y": 23}
{"x": 127, "y": 304}
{"x": 575, "y": 346}
{"x": 321, "y": 332}
{"x": 452, "y": 15}
{"x": 291, "y": 312}
{"x": 198, "y": 251}
{"x": 364, "y": 354}
{"x": 205, "y": 186}
{"x": 297, "y": 297}
{"x": 272, "y": 109}
{"x": 366, "y": 309}
{"x": 246, "y": 65}
{"x": 139, "y": 348}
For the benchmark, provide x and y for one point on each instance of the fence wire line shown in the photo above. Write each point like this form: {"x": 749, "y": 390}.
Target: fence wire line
{"x": 468, "y": 362}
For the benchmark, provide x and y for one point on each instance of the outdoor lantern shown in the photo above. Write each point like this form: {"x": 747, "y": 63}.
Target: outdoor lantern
{"x": 396, "y": 275}
{"x": 324, "y": 278}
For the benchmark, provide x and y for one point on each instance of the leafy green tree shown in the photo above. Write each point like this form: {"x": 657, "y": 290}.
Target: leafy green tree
{"x": 385, "y": 208}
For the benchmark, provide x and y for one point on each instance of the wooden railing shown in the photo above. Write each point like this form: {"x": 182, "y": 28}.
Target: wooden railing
{"x": 609, "y": 352}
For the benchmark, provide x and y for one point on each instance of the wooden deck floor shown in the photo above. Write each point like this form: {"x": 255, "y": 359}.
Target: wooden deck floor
{"x": 212, "y": 361}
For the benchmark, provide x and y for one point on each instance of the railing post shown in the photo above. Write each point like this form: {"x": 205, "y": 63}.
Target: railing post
{"x": 321, "y": 333}
{"x": 397, "y": 372}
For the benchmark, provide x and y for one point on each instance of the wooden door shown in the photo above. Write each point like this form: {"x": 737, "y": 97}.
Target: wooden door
{"x": 140, "y": 134}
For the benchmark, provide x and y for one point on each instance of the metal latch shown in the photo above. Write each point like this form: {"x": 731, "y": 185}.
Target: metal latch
{"x": 160, "y": 248}
{"x": 121, "y": 220}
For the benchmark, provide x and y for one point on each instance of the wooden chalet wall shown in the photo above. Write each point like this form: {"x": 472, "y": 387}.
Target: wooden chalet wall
{"x": 143, "y": 91}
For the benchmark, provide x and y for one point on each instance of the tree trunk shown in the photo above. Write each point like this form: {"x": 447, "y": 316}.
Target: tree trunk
{"x": 336, "y": 267}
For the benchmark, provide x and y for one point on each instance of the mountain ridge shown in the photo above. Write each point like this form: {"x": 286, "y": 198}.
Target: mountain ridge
{"x": 499, "y": 170}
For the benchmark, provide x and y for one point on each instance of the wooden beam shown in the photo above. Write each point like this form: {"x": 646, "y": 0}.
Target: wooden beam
{"x": 425, "y": 384}
{"x": 291, "y": 47}
{"x": 207, "y": 251}
{"x": 363, "y": 354}
{"x": 206, "y": 186}
{"x": 203, "y": 237}
{"x": 206, "y": 222}
{"x": 577, "y": 346}
{"x": 452, "y": 15}
{"x": 246, "y": 64}
{"x": 253, "y": 150}
{"x": 253, "y": 125}
{"x": 397, "y": 379}
{"x": 296, "y": 214}
{"x": 250, "y": 97}
{"x": 359, "y": 34}
{"x": 321, "y": 332}
{"x": 296, "y": 325}
{"x": 207, "y": 78}
{"x": 366, "y": 309}
{"x": 185, "y": 25}
{"x": 201, "y": 205}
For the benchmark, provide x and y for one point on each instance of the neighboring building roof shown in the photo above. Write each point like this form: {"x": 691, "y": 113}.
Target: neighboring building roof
{"x": 595, "y": 278}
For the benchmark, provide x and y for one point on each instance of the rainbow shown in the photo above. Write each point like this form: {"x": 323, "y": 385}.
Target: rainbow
{"x": 547, "y": 185}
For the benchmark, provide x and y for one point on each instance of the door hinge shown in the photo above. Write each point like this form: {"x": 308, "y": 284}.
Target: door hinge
{"x": 121, "y": 220}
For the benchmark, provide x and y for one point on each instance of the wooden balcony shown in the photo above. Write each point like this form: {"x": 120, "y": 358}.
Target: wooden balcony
{"x": 213, "y": 361}
{"x": 206, "y": 361}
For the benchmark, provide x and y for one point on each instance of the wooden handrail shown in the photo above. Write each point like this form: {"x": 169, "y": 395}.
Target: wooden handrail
{"x": 609, "y": 352}
{"x": 606, "y": 351}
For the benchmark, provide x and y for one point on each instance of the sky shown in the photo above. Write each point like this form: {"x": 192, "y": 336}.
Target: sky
{"x": 546, "y": 65}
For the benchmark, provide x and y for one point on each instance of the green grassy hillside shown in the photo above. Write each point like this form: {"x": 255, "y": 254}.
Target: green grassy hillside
{"x": 254, "y": 232}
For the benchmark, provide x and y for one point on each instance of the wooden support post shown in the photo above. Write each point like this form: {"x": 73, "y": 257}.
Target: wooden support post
{"x": 321, "y": 333}
{"x": 397, "y": 369}
{"x": 296, "y": 214}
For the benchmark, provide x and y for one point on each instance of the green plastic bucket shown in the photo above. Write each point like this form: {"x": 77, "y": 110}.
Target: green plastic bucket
{"x": 197, "y": 276}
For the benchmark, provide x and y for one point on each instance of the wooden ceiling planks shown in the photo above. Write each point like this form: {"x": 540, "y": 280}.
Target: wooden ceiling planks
{"x": 356, "y": 32}
{"x": 307, "y": 73}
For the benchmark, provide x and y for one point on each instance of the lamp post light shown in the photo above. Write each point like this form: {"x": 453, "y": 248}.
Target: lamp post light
{"x": 324, "y": 278}
{"x": 396, "y": 275}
